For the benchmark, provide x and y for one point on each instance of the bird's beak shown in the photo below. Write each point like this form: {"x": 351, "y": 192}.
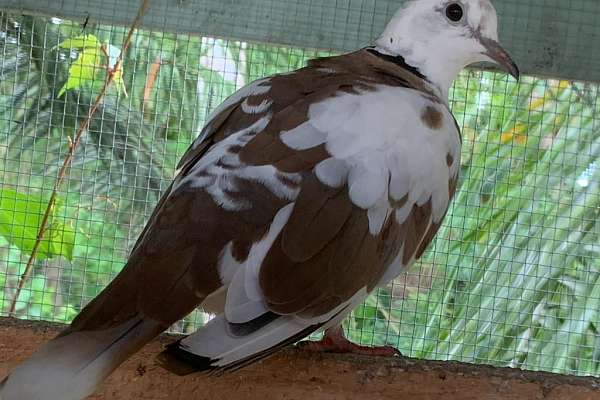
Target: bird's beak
{"x": 500, "y": 56}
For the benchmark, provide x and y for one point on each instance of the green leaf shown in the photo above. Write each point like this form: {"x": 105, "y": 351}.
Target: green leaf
{"x": 62, "y": 239}
{"x": 20, "y": 219}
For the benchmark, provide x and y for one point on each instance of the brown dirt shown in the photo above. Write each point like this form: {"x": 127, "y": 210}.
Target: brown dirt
{"x": 297, "y": 375}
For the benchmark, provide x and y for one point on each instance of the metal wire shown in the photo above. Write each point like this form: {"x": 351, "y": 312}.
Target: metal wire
{"x": 512, "y": 279}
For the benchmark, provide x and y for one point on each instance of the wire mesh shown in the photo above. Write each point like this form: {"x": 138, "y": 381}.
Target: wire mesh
{"x": 549, "y": 37}
{"x": 512, "y": 279}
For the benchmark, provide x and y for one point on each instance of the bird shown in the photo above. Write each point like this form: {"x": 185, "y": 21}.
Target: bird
{"x": 304, "y": 193}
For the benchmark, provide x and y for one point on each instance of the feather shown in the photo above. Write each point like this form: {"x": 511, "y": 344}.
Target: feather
{"x": 79, "y": 361}
{"x": 217, "y": 346}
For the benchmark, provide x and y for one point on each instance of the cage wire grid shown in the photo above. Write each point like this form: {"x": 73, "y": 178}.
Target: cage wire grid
{"x": 512, "y": 279}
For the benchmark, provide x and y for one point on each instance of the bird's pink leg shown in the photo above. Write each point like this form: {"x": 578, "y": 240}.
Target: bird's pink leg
{"x": 335, "y": 341}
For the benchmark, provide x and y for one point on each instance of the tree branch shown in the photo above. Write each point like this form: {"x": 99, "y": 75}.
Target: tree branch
{"x": 73, "y": 145}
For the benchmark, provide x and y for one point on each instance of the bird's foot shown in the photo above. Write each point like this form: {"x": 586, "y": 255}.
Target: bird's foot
{"x": 335, "y": 341}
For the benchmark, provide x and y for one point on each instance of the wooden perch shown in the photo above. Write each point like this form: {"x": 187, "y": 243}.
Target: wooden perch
{"x": 294, "y": 374}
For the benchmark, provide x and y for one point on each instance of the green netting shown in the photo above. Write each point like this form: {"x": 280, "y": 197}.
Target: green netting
{"x": 513, "y": 278}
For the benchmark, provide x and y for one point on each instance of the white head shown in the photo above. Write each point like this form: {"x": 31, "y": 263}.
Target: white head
{"x": 441, "y": 37}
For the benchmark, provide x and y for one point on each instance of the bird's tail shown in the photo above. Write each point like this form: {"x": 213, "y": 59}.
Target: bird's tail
{"x": 72, "y": 365}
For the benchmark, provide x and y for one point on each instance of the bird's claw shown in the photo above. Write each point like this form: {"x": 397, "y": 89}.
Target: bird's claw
{"x": 336, "y": 342}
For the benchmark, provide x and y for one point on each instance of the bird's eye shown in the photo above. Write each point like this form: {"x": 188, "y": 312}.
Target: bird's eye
{"x": 454, "y": 12}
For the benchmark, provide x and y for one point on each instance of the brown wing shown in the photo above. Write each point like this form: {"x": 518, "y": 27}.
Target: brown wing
{"x": 326, "y": 253}
{"x": 173, "y": 266}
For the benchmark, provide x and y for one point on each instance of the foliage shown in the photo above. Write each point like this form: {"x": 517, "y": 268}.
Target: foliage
{"x": 512, "y": 279}
{"x": 517, "y": 273}
{"x": 20, "y": 220}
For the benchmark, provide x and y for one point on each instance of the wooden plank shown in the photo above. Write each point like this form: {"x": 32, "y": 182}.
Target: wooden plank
{"x": 551, "y": 38}
{"x": 294, "y": 374}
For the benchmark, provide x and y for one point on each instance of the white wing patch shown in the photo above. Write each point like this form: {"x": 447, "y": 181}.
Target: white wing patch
{"x": 332, "y": 172}
{"x": 382, "y": 149}
{"x": 228, "y": 265}
{"x": 252, "y": 109}
{"x": 303, "y": 137}
{"x": 245, "y": 300}
{"x": 221, "y": 166}
{"x": 256, "y": 88}
{"x": 378, "y": 215}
